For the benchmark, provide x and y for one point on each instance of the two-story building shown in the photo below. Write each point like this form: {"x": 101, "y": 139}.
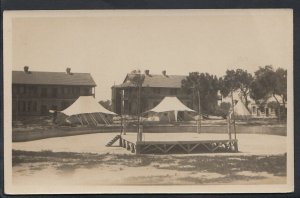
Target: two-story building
{"x": 153, "y": 89}
{"x": 35, "y": 92}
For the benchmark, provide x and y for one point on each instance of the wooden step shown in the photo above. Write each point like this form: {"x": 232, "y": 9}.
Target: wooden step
{"x": 110, "y": 143}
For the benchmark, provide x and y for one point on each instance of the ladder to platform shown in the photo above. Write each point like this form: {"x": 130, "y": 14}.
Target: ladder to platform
{"x": 111, "y": 142}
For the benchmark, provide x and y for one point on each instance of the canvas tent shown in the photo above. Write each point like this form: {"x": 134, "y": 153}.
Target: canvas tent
{"x": 240, "y": 110}
{"x": 170, "y": 104}
{"x": 87, "y": 110}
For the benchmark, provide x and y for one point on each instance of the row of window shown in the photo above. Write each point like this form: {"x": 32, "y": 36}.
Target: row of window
{"x": 160, "y": 90}
{"x": 31, "y": 106}
{"x": 262, "y": 110}
{"x": 156, "y": 91}
{"x": 27, "y": 106}
{"x": 49, "y": 92}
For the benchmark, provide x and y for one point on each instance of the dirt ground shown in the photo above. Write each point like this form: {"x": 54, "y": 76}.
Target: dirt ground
{"x": 249, "y": 144}
{"x": 84, "y": 160}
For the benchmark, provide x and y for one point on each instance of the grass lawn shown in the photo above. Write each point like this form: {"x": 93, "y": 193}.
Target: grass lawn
{"x": 69, "y": 168}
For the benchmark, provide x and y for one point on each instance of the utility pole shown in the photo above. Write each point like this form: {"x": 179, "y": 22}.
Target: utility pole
{"x": 199, "y": 112}
{"x": 122, "y": 113}
{"x": 233, "y": 114}
{"x": 138, "y": 107}
{"x": 140, "y": 81}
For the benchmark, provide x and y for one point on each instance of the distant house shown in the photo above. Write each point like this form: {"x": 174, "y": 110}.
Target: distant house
{"x": 154, "y": 88}
{"x": 265, "y": 110}
{"x": 35, "y": 92}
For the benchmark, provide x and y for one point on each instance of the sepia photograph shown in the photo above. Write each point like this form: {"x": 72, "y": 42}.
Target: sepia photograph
{"x": 148, "y": 101}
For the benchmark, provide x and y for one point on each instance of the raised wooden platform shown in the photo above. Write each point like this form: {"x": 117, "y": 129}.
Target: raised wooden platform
{"x": 181, "y": 147}
{"x": 163, "y": 146}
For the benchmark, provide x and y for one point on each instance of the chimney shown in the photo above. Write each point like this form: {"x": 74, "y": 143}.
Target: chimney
{"x": 147, "y": 72}
{"x": 68, "y": 70}
{"x": 164, "y": 72}
{"x": 26, "y": 69}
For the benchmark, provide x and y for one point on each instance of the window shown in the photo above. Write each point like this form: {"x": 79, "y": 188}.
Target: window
{"x": 21, "y": 89}
{"x": 44, "y": 92}
{"x": 253, "y": 109}
{"x": 86, "y": 91}
{"x": 173, "y": 91}
{"x": 34, "y": 106}
{"x": 65, "y": 90}
{"x": 54, "y": 107}
{"x": 155, "y": 104}
{"x": 14, "y": 90}
{"x": 23, "y": 106}
{"x": 75, "y": 90}
{"x": 54, "y": 92}
{"x": 156, "y": 90}
{"x": 32, "y": 90}
{"x": 25, "y": 89}
{"x": 29, "y": 106}
{"x": 64, "y": 105}
{"x": 19, "y": 105}
{"x": 44, "y": 110}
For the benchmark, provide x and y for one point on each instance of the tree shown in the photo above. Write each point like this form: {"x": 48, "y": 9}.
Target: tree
{"x": 137, "y": 79}
{"x": 204, "y": 87}
{"x": 237, "y": 80}
{"x": 223, "y": 109}
{"x": 269, "y": 83}
{"x": 106, "y": 104}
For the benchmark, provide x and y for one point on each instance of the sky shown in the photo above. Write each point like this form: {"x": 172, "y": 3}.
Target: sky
{"x": 110, "y": 44}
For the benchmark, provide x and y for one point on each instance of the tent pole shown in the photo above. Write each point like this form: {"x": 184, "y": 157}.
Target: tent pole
{"x": 228, "y": 126}
{"x": 77, "y": 116}
{"x": 96, "y": 116}
{"x": 89, "y": 117}
{"x": 80, "y": 117}
{"x": 121, "y": 125}
{"x": 140, "y": 135}
{"x": 84, "y": 116}
{"x": 103, "y": 118}
{"x": 93, "y": 119}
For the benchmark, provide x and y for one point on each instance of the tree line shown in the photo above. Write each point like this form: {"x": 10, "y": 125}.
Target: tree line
{"x": 265, "y": 83}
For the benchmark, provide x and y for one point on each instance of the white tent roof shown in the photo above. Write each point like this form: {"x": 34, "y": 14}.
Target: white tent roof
{"x": 86, "y": 104}
{"x": 170, "y": 104}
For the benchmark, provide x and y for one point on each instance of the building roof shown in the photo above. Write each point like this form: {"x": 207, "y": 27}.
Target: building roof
{"x": 52, "y": 78}
{"x": 154, "y": 80}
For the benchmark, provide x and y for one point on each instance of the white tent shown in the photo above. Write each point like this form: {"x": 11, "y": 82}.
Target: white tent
{"x": 170, "y": 104}
{"x": 87, "y": 110}
{"x": 240, "y": 110}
